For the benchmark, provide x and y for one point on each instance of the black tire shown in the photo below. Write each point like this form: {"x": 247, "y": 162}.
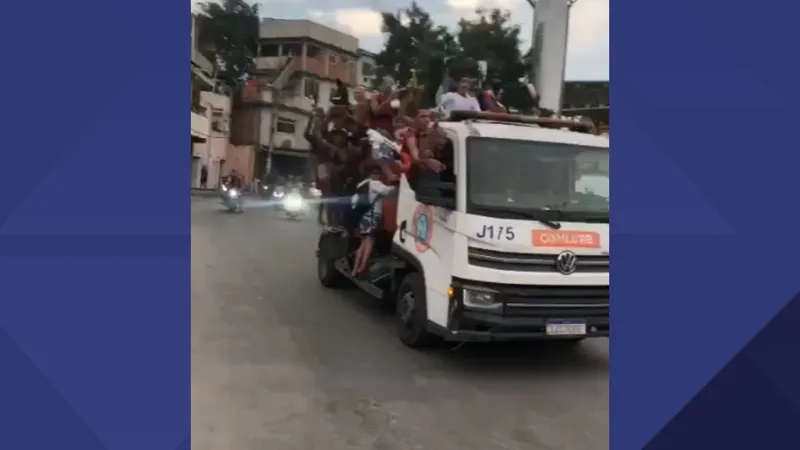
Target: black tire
{"x": 412, "y": 326}
{"x": 327, "y": 273}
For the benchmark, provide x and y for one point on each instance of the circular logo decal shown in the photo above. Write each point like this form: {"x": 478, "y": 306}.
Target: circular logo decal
{"x": 423, "y": 227}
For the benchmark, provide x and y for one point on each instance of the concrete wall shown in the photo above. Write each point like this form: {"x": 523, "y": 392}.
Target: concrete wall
{"x": 242, "y": 159}
{"x": 361, "y": 77}
{"x": 326, "y": 64}
{"x": 294, "y": 142}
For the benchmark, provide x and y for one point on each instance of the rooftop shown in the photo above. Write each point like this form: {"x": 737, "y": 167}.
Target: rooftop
{"x": 272, "y": 28}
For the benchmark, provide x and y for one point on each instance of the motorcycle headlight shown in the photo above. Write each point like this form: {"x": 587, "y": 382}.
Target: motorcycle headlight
{"x": 233, "y": 193}
{"x": 293, "y": 202}
{"x": 480, "y": 299}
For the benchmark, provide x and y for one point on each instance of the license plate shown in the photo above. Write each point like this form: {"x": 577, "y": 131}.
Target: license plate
{"x": 563, "y": 328}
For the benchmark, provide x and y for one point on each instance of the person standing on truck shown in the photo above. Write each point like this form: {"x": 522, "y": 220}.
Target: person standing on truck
{"x": 462, "y": 99}
{"x": 334, "y": 143}
{"x": 381, "y": 113}
{"x": 320, "y": 159}
{"x": 368, "y": 198}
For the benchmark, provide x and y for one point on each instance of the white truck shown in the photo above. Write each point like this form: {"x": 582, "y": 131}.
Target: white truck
{"x": 511, "y": 242}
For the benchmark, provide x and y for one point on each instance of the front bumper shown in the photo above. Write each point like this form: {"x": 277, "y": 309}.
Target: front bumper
{"x": 523, "y": 312}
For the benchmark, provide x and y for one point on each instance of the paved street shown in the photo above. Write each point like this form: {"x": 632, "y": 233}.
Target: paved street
{"x": 280, "y": 363}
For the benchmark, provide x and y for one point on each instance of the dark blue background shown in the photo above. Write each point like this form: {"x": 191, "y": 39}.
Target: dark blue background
{"x": 94, "y": 225}
{"x": 705, "y": 161}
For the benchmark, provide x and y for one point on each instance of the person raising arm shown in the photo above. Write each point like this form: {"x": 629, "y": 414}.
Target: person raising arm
{"x": 381, "y": 111}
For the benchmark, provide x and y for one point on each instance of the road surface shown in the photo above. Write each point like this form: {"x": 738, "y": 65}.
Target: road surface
{"x": 280, "y": 363}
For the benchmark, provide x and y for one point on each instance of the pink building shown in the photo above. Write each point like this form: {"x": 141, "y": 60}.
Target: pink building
{"x": 212, "y": 153}
{"x": 241, "y": 158}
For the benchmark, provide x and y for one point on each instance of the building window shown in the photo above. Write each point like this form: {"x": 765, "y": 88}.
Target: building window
{"x": 311, "y": 88}
{"x": 312, "y": 51}
{"x": 334, "y": 59}
{"x": 367, "y": 69}
{"x": 285, "y": 125}
{"x": 293, "y": 49}
{"x": 269, "y": 50}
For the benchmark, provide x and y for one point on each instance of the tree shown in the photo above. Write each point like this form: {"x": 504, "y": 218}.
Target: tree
{"x": 228, "y": 34}
{"x": 414, "y": 45}
{"x": 413, "y": 41}
{"x": 491, "y": 37}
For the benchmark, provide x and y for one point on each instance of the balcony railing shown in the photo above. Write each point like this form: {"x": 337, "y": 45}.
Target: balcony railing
{"x": 289, "y": 100}
{"x": 202, "y": 62}
{"x": 321, "y": 67}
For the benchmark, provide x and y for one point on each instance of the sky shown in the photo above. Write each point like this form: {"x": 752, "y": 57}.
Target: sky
{"x": 587, "y": 48}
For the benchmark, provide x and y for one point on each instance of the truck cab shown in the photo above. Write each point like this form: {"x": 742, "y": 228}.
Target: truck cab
{"x": 509, "y": 242}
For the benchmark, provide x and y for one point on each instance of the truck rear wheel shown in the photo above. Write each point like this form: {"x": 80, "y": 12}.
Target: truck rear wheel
{"x": 327, "y": 273}
{"x": 412, "y": 312}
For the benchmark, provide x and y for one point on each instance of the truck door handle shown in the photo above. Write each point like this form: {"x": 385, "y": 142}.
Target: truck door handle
{"x": 403, "y": 226}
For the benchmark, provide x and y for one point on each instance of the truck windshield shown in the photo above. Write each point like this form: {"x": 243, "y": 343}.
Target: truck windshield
{"x": 550, "y": 181}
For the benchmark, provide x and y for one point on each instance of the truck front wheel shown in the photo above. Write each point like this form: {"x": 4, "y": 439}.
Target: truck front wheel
{"x": 412, "y": 312}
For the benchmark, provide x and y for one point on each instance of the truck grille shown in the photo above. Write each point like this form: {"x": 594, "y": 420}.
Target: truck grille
{"x": 526, "y": 262}
{"x": 558, "y": 302}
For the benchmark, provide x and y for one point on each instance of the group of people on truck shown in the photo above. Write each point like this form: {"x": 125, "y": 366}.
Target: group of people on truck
{"x": 361, "y": 149}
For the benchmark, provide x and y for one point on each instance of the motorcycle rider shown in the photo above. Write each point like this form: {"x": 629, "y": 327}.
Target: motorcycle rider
{"x": 234, "y": 180}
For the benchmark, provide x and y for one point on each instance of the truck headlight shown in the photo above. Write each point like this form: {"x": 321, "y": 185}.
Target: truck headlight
{"x": 480, "y": 299}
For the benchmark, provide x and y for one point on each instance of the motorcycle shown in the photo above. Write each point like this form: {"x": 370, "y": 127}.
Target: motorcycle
{"x": 293, "y": 204}
{"x": 232, "y": 199}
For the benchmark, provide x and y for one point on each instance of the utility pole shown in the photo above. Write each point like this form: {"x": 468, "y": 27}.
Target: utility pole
{"x": 549, "y": 48}
{"x": 273, "y": 122}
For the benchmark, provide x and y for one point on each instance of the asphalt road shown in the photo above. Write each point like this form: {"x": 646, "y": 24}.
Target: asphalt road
{"x": 279, "y": 362}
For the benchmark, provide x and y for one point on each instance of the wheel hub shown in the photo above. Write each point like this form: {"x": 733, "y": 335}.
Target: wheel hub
{"x": 406, "y": 307}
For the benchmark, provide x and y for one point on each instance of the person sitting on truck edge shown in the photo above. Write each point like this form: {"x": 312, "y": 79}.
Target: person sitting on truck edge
{"x": 369, "y": 195}
{"x": 408, "y": 138}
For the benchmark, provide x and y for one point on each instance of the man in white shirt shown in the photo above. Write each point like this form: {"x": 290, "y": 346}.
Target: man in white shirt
{"x": 460, "y": 100}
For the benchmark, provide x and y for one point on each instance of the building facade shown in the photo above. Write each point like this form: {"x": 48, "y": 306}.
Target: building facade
{"x": 202, "y": 79}
{"x": 298, "y": 65}
{"x": 367, "y": 68}
{"x": 212, "y": 153}
{"x": 211, "y": 113}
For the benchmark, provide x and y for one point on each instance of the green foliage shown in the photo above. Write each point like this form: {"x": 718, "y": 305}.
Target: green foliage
{"x": 413, "y": 42}
{"x": 228, "y": 33}
{"x": 439, "y": 56}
